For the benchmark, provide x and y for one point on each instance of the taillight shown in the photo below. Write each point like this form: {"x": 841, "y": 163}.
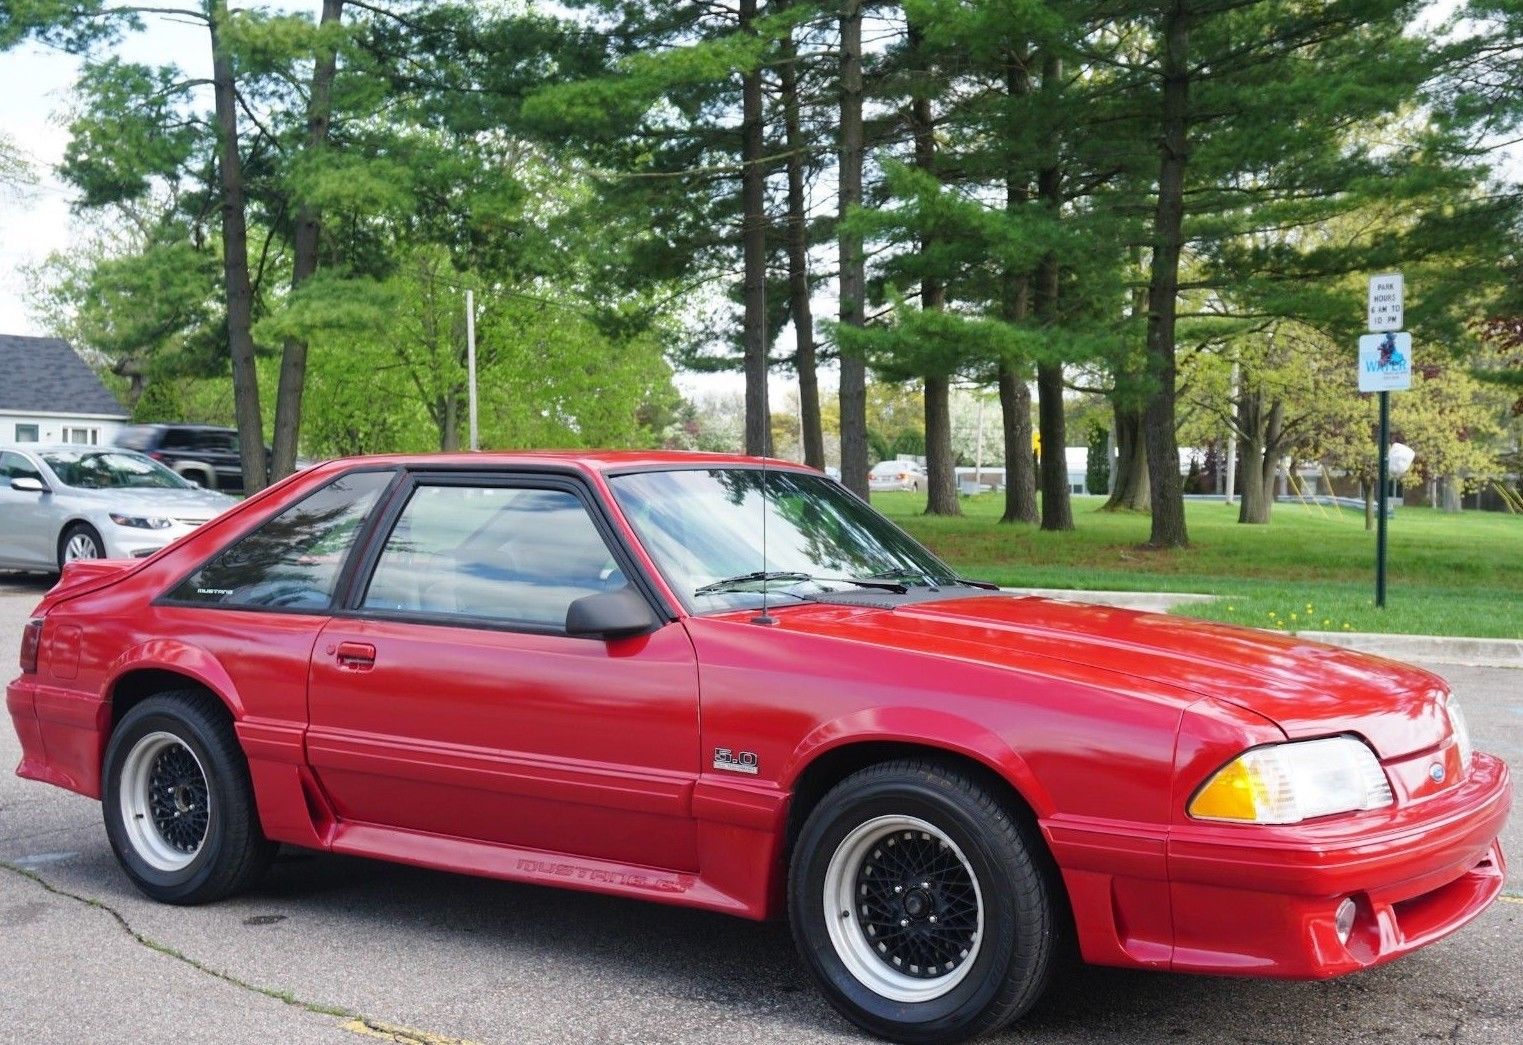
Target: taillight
{"x": 31, "y": 642}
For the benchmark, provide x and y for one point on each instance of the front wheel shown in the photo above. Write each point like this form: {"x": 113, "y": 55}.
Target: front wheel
{"x": 177, "y": 801}
{"x": 80, "y": 541}
{"x": 918, "y": 903}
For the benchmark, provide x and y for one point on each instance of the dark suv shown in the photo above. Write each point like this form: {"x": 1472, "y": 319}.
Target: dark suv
{"x": 204, "y": 454}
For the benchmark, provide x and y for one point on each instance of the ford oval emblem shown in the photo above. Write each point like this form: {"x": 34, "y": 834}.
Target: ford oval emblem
{"x": 1436, "y": 772}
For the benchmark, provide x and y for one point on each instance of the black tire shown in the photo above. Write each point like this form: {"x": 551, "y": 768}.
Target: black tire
{"x": 82, "y": 532}
{"x": 185, "y": 730}
{"x": 1001, "y": 975}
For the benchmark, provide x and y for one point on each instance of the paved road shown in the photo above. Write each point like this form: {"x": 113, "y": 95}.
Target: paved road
{"x": 330, "y": 948}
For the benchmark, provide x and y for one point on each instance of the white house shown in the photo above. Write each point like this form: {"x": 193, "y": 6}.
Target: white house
{"x": 50, "y": 395}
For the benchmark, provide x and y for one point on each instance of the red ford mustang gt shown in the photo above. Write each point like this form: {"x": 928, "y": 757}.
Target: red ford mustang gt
{"x": 699, "y": 680}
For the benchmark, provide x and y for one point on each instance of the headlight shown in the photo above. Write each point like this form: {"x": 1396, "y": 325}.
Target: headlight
{"x": 1461, "y": 731}
{"x": 1288, "y": 783}
{"x": 138, "y": 522}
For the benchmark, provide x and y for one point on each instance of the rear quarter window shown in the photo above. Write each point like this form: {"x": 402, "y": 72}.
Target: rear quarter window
{"x": 293, "y": 560}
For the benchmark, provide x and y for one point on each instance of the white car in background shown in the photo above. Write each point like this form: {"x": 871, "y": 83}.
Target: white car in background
{"x": 67, "y": 502}
{"x": 896, "y": 475}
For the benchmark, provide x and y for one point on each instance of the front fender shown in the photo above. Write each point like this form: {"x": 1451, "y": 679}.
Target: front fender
{"x": 923, "y": 727}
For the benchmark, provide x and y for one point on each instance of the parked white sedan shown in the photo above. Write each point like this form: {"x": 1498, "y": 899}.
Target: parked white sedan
{"x": 896, "y": 475}
{"x": 60, "y": 503}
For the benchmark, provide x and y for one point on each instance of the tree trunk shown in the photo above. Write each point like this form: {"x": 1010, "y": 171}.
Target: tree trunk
{"x": 1015, "y": 305}
{"x": 940, "y": 464}
{"x": 449, "y": 426}
{"x": 1057, "y": 512}
{"x": 1368, "y": 489}
{"x": 1450, "y": 501}
{"x": 235, "y": 261}
{"x": 940, "y": 470}
{"x": 1129, "y": 482}
{"x": 1020, "y": 476}
{"x": 1168, "y": 530}
{"x": 853, "y": 392}
{"x": 812, "y": 438}
{"x": 1259, "y": 433}
{"x": 293, "y": 357}
{"x": 754, "y": 251}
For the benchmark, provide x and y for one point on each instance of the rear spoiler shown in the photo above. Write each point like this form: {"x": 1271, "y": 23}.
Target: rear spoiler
{"x": 84, "y": 575}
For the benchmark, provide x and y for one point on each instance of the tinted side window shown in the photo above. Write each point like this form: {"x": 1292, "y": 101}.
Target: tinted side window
{"x": 293, "y": 560}
{"x": 515, "y": 555}
{"x": 177, "y": 439}
{"x": 14, "y": 466}
{"x": 134, "y": 438}
{"x": 215, "y": 440}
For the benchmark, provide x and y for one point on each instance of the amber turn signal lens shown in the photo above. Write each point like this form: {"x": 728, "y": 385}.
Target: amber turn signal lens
{"x": 1289, "y": 783}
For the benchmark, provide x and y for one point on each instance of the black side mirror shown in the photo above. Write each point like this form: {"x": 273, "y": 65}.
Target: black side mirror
{"x": 610, "y": 615}
{"x": 28, "y": 484}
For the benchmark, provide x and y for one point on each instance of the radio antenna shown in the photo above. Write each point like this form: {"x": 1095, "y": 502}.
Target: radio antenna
{"x": 764, "y": 617}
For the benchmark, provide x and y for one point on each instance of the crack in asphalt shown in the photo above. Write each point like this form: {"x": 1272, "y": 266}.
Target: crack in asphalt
{"x": 353, "y": 1022}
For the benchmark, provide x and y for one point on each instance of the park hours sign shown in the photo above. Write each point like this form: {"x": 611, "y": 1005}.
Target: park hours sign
{"x": 1385, "y": 302}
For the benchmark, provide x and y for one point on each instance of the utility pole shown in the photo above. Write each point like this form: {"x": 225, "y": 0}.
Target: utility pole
{"x": 470, "y": 362}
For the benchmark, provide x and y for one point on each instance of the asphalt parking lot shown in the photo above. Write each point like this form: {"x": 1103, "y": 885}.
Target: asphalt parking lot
{"x": 332, "y": 949}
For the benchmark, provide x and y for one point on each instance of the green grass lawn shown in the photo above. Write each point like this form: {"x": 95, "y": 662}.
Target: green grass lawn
{"x": 1312, "y": 568}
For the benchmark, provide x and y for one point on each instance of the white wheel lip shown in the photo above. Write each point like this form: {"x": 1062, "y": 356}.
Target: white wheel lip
{"x": 137, "y": 818}
{"x": 845, "y": 931}
{"x": 81, "y": 546}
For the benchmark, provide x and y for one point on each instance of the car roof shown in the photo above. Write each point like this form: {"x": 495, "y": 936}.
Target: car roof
{"x": 40, "y": 448}
{"x": 605, "y": 461}
{"x": 186, "y": 426}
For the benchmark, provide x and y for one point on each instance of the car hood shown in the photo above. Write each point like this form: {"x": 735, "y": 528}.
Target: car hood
{"x": 198, "y": 505}
{"x": 1306, "y": 688}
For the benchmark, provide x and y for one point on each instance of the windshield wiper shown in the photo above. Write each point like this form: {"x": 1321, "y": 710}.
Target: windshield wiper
{"x": 907, "y": 573}
{"x": 742, "y": 580}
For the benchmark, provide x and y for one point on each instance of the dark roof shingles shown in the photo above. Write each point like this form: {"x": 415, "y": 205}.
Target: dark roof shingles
{"x": 45, "y": 375}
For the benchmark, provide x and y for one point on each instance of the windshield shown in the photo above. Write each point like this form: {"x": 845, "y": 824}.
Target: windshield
{"x": 703, "y": 526}
{"x": 111, "y": 470}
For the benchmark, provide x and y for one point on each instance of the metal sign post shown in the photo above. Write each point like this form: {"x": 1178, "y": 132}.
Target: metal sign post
{"x": 1383, "y": 509}
{"x": 1385, "y": 366}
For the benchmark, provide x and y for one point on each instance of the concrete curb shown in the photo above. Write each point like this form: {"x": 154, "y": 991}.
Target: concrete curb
{"x": 1149, "y": 601}
{"x": 1435, "y": 649}
{"x": 1439, "y": 649}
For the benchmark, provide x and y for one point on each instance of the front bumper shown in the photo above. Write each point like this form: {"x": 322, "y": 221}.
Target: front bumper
{"x": 1261, "y": 901}
{"x": 131, "y": 542}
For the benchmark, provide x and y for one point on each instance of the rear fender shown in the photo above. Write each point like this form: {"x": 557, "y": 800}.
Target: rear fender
{"x": 179, "y": 657}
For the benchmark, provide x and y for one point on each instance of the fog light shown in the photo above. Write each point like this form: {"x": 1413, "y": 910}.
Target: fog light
{"x": 1344, "y": 921}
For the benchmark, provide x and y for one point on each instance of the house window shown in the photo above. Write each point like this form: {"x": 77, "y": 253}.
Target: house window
{"x": 89, "y": 436}
{"x": 26, "y": 433}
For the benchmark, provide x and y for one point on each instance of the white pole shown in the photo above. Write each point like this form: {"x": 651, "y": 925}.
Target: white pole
{"x": 470, "y": 360}
{"x": 1232, "y": 442}
{"x": 978, "y": 452}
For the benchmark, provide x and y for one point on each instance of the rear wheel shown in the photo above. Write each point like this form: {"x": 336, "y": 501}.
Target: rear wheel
{"x": 177, "y": 801}
{"x": 917, "y": 901}
{"x": 80, "y": 541}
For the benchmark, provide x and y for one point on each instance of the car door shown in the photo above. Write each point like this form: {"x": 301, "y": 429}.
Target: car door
{"x": 28, "y": 521}
{"x": 449, "y": 699}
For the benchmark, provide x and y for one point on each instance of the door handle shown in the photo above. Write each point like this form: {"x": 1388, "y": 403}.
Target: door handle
{"x": 356, "y": 655}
